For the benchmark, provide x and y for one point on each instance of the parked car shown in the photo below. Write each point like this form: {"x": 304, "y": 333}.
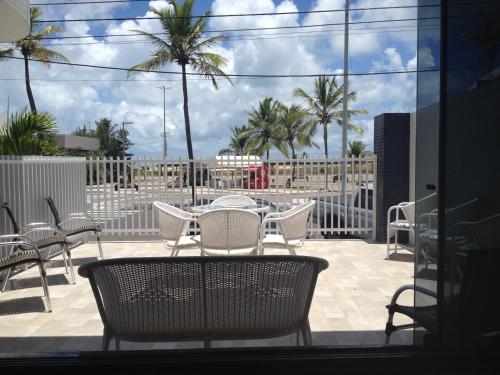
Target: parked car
{"x": 330, "y": 211}
{"x": 126, "y": 185}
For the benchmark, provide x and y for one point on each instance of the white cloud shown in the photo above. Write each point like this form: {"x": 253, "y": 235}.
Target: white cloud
{"x": 212, "y": 112}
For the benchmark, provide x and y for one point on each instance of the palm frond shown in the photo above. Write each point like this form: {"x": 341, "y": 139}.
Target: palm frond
{"x": 158, "y": 42}
{"x": 47, "y": 56}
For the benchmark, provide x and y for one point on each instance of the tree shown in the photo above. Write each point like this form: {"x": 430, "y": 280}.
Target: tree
{"x": 31, "y": 47}
{"x": 185, "y": 45}
{"x": 110, "y": 138}
{"x": 356, "y": 149}
{"x": 264, "y": 131}
{"x": 298, "y": 130}
{"x": 238, "y": 143}
{"x": 325, "y": 105}
{"x": 28, "y": 133}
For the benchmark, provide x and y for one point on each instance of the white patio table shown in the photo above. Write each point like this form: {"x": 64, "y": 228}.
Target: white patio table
{"x": 257, "y": 208}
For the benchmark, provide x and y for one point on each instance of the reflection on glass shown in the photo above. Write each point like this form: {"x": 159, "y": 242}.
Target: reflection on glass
{"x": 427, "y": 157}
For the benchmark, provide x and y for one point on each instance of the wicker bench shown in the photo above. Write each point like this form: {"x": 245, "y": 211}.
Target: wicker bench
{"x": 204, "y": 298}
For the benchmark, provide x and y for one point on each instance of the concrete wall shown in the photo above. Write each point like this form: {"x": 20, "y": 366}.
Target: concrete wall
{"x": 26, "y": 180}
{"x": 76, "y": 142}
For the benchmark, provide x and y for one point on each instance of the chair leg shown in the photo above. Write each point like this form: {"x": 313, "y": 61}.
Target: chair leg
{"x": 396, "y": 243}
{"x": 45, "y": 286}
{"x": 70, "y": 263}
{"x": 65, "y": 258}
{"x": 106, "y": 339}
{"x": 207, "y": 344}
{"x": 98, "y": 239}
{"x": 306, "y": 334}
{"x": 388, "y": 244}
{"x": 292, "y": 251}
{"x": 117, "y": 342}
{"x": 6, "y": 279}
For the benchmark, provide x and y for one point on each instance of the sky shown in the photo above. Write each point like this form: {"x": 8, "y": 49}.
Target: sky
{"x": 78, "y": 96}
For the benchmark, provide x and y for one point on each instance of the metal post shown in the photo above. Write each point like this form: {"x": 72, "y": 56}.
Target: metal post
{"x": 345, "y": 99}
{"x": 164, "y": 88}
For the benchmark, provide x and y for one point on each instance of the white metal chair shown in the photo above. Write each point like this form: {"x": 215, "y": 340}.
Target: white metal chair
{"x": 293, "y": 227}
{"x": 234, "y": 200}
{"x": 404, "y": 221}
{"x": 174, "y": 225}
{"x": 229, "y": 231}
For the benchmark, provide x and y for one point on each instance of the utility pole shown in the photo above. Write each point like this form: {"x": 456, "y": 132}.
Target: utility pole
{"x": 345, "y": 102}
{"x": 164, "y": 88}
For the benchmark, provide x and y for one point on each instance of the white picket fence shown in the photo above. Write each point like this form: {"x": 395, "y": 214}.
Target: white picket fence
{"x": 120, "y": 192}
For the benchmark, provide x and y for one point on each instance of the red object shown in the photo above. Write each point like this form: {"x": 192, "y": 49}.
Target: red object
{"x": 256, "y": 177}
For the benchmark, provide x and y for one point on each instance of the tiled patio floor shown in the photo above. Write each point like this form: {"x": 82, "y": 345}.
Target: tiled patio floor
{"x": 348, "y": 306}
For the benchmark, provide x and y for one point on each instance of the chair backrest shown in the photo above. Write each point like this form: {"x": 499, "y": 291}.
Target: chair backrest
{"x": 12, "y": 219}
{"x": 294, "y": 225}
{"x": 53, "y": 209}
{"x": 409, "y": 211}
{"x": 229, "y": 229}
{"x": 171, "y": 221}
{"x": 203, "y": 298}
{"x": 234, "y": 200}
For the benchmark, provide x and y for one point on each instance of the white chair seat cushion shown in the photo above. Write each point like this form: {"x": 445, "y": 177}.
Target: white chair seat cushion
{"x": 277, "y": 240}
{"x": 245, "y": 251}
{"x": 401, "y": 224}
{"x": 184, "y": 241}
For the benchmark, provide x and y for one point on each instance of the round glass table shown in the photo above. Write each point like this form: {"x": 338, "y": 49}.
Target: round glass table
{"x": 257, "y": 208}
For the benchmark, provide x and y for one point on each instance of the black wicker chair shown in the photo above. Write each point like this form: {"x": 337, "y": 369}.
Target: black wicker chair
{"x": 89, "y": 224}
{"x": 475, "y": 308}
{"x": 21, "y": 250}
{"x": 204, "y": 298}
{"x": 44, "y": 235}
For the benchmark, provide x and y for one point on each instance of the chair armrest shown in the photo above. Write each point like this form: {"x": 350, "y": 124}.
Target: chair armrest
{"x": 274, "y": 215}
{"x": 77, "y": 216}
{"x": 415, "y": 288}
{"x": 41, "y": 227}
{"x": 19, "y": 240}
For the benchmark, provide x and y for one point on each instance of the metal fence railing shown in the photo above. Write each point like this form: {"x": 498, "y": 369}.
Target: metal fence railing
{"x": 120, "y": 192}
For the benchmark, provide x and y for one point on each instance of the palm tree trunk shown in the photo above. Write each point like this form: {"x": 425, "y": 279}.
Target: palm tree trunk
{"x": 293, "y": 160}
{"x": 187, "y": 125}
{"x": 325, "y": 138}
{"x": 28, "y": 86}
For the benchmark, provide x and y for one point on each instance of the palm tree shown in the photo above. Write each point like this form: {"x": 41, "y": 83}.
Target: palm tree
{"x": 325, "y": 105}
{"x": 356, "y": 149}
{"x": 32, "y": 47}
{"x": 264, "y": 131}
{"x": 298, "y": 130}
{"x": 28, "y": 133}
{"x": 238, "y": 143}
{"x": 185, "y": 45}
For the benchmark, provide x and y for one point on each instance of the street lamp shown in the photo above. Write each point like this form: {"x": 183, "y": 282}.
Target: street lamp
{"x": 164, "y": 88}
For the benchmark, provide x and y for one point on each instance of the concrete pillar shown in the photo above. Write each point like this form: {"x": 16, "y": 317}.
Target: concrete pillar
{"x": 392, "y": 147}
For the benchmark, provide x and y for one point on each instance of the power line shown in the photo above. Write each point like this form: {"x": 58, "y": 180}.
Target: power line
{"x": 320, "y": 34}
{"x": 235, "y": 14}
{"x": 252, "y": 29}
{"x": 90, "y": 2}
{"x": 232, "y": 75}
{"x": 234, "y": 35}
